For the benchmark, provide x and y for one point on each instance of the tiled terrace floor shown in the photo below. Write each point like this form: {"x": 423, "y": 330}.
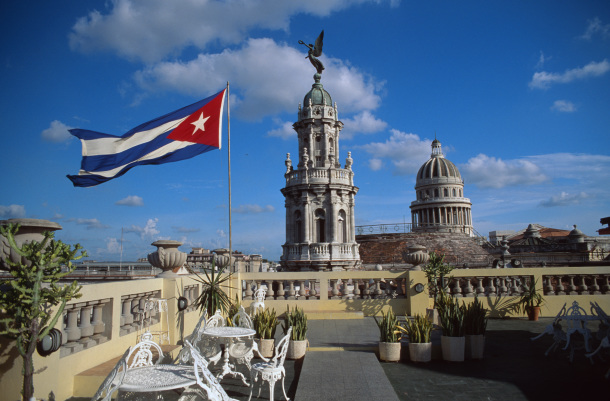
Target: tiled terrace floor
{"x": 341, "y": 364}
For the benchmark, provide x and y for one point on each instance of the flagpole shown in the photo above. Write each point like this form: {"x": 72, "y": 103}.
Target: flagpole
{"x": 229, "y": 150}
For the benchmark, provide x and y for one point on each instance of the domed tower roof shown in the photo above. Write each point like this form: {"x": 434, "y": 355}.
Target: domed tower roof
{"x": 317, "y": 94}
{"x": 437, "y": 167}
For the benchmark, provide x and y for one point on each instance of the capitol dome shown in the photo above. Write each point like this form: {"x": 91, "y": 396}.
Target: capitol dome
{"x": 440, "y": 204}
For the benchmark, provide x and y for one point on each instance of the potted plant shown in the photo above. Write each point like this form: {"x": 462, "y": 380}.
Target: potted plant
{"x": 451, "y": 316}
{"x": 419, "y": 330}
{"x": 436, "y": 271}
{"x": 297, "y": 319}
{"x": 213, "y": 295}
{"x": 475, "y": 324}
{"x": 265, "y": 323}
{"x": 389, "y": 337}
{"x": 531, "y": 301}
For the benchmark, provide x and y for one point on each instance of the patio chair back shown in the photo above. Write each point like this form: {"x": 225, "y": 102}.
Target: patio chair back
{"x": 143, "y": 353}
{"x": 112, "y": 381}
{"x": 205, "y": 378}
{"x": 282, "y": 349}
{"x": 216, "y": 320}
{"x": 242, "y": 319}
{"x": 259, "y": 300}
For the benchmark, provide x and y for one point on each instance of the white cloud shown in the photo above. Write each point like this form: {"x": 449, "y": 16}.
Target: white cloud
{"x": 284, "y": 131}
{"x": 57, "y": 132}
{"x": 375, "y": 164}
{"x": 490, "y": 172}
{"x": 541, "y": 60}
{"x": 543, "y": 79}
{"x": 595, "y": 26}
{"x": 113, "y": 246}
{"x": 249, "y": 209}
{"x": 12, "y": 211}
{"x": 186, "y": 230}
{"x": 90, "y": 224}
{"x": 131, "y": 200}
{"x": 150, "y": 30}
{"x": 262, "y": 63}
{"x": 563, "y": 106}
{"x": 565, "y": 199}
{"x": 407, "y": 152}
{"x": 364, "y": 122}
{"x": 148, "y": 231}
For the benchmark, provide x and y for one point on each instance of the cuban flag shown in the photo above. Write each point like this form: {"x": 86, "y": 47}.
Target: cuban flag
{"x": 176, "y": 136}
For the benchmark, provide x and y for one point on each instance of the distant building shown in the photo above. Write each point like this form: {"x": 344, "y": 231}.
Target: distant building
{"x": 440, "y": 205}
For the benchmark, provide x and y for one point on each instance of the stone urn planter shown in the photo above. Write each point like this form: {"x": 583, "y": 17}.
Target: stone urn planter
{"x": 453, "y": 348}
{"x": 167, "y": 257}
{"x": 420, "y": 352}
{"x": 389, "y": 352}
{"x": 266, "y": 346}
{"x": 296, "y": 349}
{"x": 416, "y": 255}
{"x": 29, "y": 230}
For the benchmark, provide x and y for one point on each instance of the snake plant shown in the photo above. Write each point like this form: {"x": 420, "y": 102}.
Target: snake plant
{"x": 418, "y": 329}
{"x": 265, "y": 322}
{"x": 297, "y": 319}
{"x": 388, "y": 328}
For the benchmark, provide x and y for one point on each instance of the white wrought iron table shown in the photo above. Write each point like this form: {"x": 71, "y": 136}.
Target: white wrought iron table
{"x": 158, "y": 378}
{"x": 227, "y": 335}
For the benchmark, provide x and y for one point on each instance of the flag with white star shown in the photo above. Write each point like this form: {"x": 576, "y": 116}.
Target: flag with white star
{"x": 176, "y": 136}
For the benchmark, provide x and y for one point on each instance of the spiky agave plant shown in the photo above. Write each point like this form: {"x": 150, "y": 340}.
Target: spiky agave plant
{"x": 213, "y": 295}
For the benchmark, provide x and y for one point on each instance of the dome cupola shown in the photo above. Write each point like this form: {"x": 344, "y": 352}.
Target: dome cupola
{"x": 317, "y": 94}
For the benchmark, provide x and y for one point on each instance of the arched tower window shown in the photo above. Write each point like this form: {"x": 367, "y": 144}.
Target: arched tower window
{"x": 298, "y": 227}
{"x": 454, "y": 192}
{"x": 446, "y": 192}
{"x": 320, "y": 226}
{"x": 436, "y": 193}
{"x": 342, "y": 227}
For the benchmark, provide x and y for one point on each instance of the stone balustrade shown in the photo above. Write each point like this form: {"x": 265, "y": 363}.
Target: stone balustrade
{"x": 320, "y": 176}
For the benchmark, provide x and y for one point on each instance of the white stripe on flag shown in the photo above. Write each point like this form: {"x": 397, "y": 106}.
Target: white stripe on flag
{"x": 170, "y": 147}
{"x": 109, "y": 146}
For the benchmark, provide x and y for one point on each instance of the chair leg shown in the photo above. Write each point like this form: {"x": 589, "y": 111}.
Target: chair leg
{"x": 271, "y": 389}
{"x": 284, "y": 390}
{"x": 252, "y": 381}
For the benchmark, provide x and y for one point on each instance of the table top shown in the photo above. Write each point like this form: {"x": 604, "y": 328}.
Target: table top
{"x": 158, "y": 378}
{"x": 227, "y": 331}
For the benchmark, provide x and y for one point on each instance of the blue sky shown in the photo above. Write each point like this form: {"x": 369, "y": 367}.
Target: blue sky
{"x": 517, "y": 92}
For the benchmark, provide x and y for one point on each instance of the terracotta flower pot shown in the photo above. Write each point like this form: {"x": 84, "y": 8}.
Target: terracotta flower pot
{"x": 420, "y": 352}
{"x": 296, "y": 349}
{"x": 533, "y": 313}
{"x": 389, "y": 352}
{"x": 453, "y": 348}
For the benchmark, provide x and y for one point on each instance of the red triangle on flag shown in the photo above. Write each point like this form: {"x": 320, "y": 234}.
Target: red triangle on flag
{"x": 203, "y": 126}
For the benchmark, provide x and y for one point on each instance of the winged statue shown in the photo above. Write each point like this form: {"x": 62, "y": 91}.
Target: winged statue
{"x": 315, "y": 51}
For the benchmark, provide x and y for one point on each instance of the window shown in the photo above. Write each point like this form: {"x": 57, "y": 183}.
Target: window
{"x": 342, "y": 227}
{"x": 298, "y": 227}
{"x": 320, "y": 217}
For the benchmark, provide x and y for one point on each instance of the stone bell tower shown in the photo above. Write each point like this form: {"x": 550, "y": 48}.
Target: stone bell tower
{"x": 320, "y": 229}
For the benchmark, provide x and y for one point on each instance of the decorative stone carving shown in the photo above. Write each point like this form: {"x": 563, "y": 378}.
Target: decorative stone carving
{"x": 416, "y": 255}
{"x": 29, "y": 230}
{"x": 167, "y": 257}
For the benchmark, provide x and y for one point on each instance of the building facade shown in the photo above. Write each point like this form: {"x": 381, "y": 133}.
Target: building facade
{"x": 440, "y": 205}
{"x": 319, "y": 193}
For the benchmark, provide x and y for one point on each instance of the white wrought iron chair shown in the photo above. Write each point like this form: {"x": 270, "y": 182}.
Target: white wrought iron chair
{"x": 113, "y": 380}
{"x": 209, "y": 347}
{"x": 272, "y": 370}
{"x": 242, "y": 350}
{"x": 184, "y": 356}
{"x": 259, "y": 300}
{"x": 143, "y": 353}
{"x": 205, "y": 380}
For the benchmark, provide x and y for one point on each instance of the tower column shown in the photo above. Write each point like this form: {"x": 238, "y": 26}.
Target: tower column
{"x": 306, "y": 221}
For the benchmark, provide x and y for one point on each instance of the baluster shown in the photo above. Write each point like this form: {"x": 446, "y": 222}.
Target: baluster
{"x": 548, "y": 287}
{"x": 313, "y": 294}
{"x": 249, "y": 291}
{"x": 302, "y": 291}
{"x": 583, "y": 289}
{"x": 270, "y": 293}
{"x": 502, "y": 289}
{"x": 572, "y": 290}
{"x": 97, "y": 321}
{"x": 291, "y": 292}
{"x": 560, "y": 287}
{"x": 281, "y": 294}
{"x": 72, "y": 330}
{"x": 378, "y": 292}
{"x": 457, "y": 290}
{"x": 85, "y": 326}
{"x": 595, "y": 287}
{"x": 480, "y": 289}
{"x": 367, "y": 291}
{"x": 135, "y": 310}
{"x": 514, "y": 289}
{"x": 606, "y": 286}
{"x": 399, "y": 291}
{"x": 491, "y": 290}
{"x": 468, "y": 289}
{"x": 126, "y": 316}
{"x": 335, "y": 290}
